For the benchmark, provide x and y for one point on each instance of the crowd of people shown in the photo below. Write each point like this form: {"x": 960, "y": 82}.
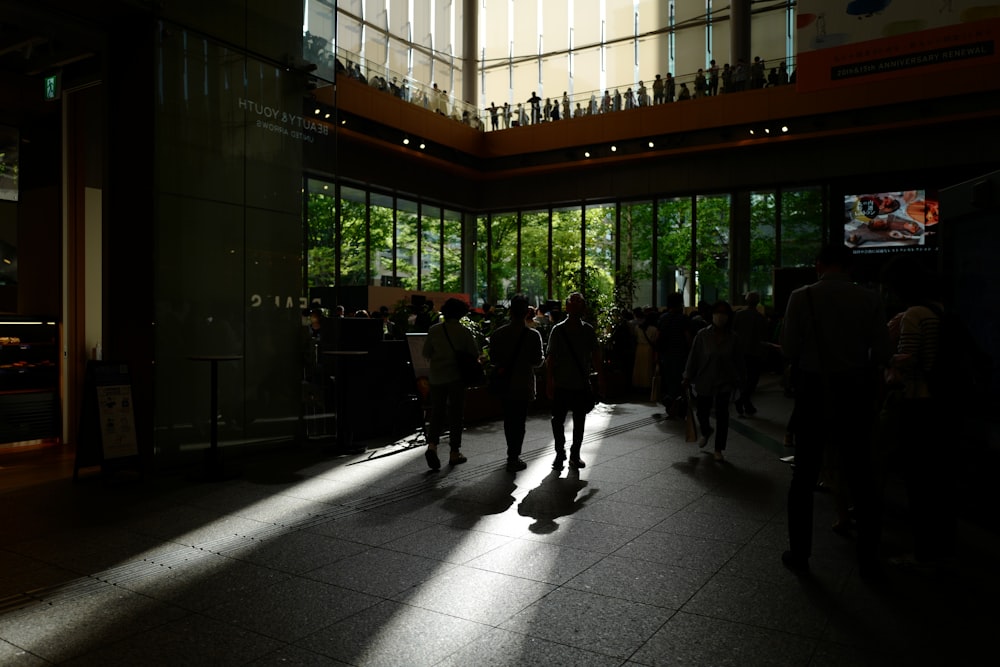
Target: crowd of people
{"x": 706, "y": 82}
{"x": 864, "y": 373}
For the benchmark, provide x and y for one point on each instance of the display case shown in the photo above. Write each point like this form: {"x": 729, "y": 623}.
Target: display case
{"x": 29, "y": 381}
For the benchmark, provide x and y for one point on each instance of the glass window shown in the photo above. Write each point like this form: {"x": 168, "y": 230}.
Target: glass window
{"x": 636, "y": 248}
{"x": 586, "y": 23}
{"x": 430, "y": 248}
{"x": 763, "y": 250}
{"x": 712, "y": 261}
{"x": 503, "y": 242}
{"x": 599, "y": 279}
{"x": 586, "y": 76}
{"x": 535, "y": 255}
{"x": 652, "y": 60}
{"x": 801, "y": 226}
{"x": 349, "y": 37}
{"x": 767, "y": 36}
{"x": 620, "y": 66}
{"x": 689, "y": 50}
{"x": 673, "y": 247}
{"x": 353, "y": 245}
{"x": 321, "y": 239}
{"x": 555, "y": 74}
{"x": 452, "y": 270}
{"x": 721, "y": 46}
{"x": 481, "y": 285}
{"x": 407, "y": 249}
{"x": 566, "y": 240}
{"x": 653, "y": 16}
{"x": 555, "y": 25}
{"x": 620, "y": 19}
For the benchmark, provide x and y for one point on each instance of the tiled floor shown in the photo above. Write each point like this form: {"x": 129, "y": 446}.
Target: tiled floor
{"x": 653, "y": 554}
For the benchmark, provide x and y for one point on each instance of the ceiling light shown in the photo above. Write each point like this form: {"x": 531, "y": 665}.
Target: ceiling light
{"x": 751, "y": 133}
{"x": 784, "y": 128}
{"x": 406, "y": 141}
{"x": 586, "y": 154}
{"x": 651, "y": 144}
{"x": 317, "y": 112}
{"x": 614, "y": 148}
{"x": 327, "y": 115}
{"x": 422, "y": 145}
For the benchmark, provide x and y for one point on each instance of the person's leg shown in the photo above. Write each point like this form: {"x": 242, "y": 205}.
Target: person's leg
{"x": 703, "y": 408}
{"x": 515, "y": 415}
{"x": 721, "y": 420}
{"x": 560, "y": 408}
{"x": 439, "y": 405}
{"x": 579, "y": 422}
{"x": 456, "y": 414}
{"x": 810, "y": 440}
{"x": 753, "y": 366}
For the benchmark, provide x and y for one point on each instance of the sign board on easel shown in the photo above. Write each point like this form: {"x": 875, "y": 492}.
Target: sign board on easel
{"x": 107, "y": 420}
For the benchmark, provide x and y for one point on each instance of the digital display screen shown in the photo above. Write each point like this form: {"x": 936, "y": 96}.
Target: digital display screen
{"x": 891, "y": 222}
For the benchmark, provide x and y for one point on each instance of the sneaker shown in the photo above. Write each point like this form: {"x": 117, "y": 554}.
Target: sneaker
{"x": 558, "y": 463}
{"x": 577, "y": 463}
{"x": 515, "y": 465}
{"x": 456, "y": 458}
{"x": 797, "y": 564}
{"x": 703, "y": 440}
{"x": 433, "y": 462}
{"x": 718, "y": 456}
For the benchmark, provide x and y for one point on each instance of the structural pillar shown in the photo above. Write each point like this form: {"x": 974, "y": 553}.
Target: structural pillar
{"x": 470, "y": 51}
{"x": 739, "y": 31}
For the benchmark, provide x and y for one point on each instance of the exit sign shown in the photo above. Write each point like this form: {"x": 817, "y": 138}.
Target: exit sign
{"x": 52, "y": 87}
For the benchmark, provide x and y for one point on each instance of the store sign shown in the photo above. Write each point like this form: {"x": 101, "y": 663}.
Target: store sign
{"x": 278, "y": 301}
{"x": 274, "y": 119}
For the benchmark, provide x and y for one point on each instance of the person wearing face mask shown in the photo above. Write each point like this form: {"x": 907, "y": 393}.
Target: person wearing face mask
{"x": 715, "y": 368}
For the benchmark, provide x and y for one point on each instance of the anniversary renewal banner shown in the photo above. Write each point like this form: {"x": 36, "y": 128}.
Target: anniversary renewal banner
{"x": 842, "y": 42}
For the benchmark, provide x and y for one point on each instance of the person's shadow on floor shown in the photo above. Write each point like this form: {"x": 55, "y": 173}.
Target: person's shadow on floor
{"x": 556, "y": 496}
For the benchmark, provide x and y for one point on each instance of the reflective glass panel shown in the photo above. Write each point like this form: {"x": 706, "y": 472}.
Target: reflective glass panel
{"x": 503, "y": 239}
{"x": 566, "y": 240}
{"x": 407, "y": 248}
{"x": 636, "y": 248}
{"x": 763, "y": 250}
{"x": 674, "y": 258}
{"x": 452, "y": 271}
{"x": 353, "y": 247}
{"x": 535, "y": 255}
{"x": 430, "y": 248}
{"x": 712, "y": 262}
{"x": 801, "y": 226}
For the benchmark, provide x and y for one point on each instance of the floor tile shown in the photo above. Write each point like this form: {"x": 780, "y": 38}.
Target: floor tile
{"x": 476, "y": 595}
{"x": 641, "y": 581}
{"x": 380, "y": 572}
{"x": 680, "y": 550}
{"x": 608, "y": 626}
{"x": 291, "y": 609}
{"x": 394, "y": 634}
{"x": 689, "y": 639}
{"x": 447, "y": 544}
{"x": 501, "y": 648}
{"x": 547, "y": 563}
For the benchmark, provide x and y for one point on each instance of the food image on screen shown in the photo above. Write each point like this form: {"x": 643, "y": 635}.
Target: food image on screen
{"x": 882, "y": 222}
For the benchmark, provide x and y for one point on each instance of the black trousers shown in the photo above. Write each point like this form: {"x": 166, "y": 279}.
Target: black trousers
{"x": 836, "y": 412}
{"x": 564, "y": 402}
{"x": 515, "y": 415}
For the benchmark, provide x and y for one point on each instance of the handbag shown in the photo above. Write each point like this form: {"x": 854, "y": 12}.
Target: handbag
{"x": 499, "y": 381}
{"x": 472, "y": 372}
{"x": 690, "y": 424}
